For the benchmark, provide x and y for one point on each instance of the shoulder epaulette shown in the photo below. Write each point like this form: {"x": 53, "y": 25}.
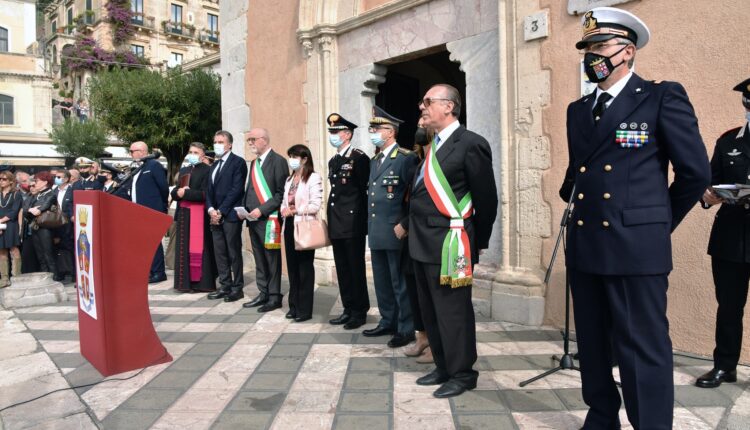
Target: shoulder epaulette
{"x": 728, "y": 132}
{"x": 358, "y": 151}
{"x": 404, "y": 151}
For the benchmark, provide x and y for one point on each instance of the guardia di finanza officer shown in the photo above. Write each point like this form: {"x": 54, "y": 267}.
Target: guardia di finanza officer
{"x": 391, "y": 171}
{"x": 348, "y": 172}
{"x": 729, "y": 247}
{"x": 621, "y": 140}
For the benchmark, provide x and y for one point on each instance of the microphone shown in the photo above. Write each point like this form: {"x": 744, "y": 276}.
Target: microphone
{"x": 154, "y": 155}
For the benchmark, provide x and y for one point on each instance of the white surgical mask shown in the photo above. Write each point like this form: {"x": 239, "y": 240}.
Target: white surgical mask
{"x": 335, "y": 140}
{"x": 747, "y": 116}
{"x": 219, "y": 150}
{"x": 192, "y": 159}
{"x": 376, "y": 139}
{"x": 294, "y": 163}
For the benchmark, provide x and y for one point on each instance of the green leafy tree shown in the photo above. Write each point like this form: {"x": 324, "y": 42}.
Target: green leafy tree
{"x": 72, "y": 138}
{"x": 167, "y": 111}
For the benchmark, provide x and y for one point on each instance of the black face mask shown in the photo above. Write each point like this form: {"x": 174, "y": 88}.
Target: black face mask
{"x": 101, "y": 178}
{"x": 598, "y": 67}
{"x": 420, "y": 137}
{"x": 85, "y": 175}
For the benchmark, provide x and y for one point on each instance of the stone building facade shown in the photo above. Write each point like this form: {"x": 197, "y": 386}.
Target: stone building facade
{"x": 286, "y": 65}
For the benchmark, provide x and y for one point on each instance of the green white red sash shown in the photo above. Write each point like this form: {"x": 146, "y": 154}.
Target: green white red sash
{"x": 455, "y": 268}
{"x": 272, "y": 238}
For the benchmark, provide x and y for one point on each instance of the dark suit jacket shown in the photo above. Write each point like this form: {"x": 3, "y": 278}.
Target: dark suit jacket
{"x": 275, "y": 170}
{"x": 625, "y": 210}
{"x": 225, "y": 193}
{"x": 466, "y": 160}
{"x": 730, "y": 164}
{"x": 347, "y": 202}
{"x": 151, "y": 187}
{"x": 199, "y": 178}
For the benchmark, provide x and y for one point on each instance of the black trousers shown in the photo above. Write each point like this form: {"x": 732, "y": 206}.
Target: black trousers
{"x": 627, "y": 315}
{"x": 731, "y": 282}
{"x": 407, "y": 266}
{"x": 227, "y": 241}
{"x": 299, "y": 265}
{"x": 42, "y": 240}
{"x": 267, "y": 263}
{"x": 349, "y": 256}
{"x": 448, "y": 317}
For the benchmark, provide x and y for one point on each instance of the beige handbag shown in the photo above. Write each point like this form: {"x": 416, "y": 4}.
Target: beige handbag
{"x": 310, "y": 234}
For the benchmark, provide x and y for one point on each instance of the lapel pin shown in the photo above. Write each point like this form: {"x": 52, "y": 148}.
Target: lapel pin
{"x": 623, "y": 126}
{"x": 633, "y": 126}
{"x": 644, "y": 126}
{"x": 638, "y": 90}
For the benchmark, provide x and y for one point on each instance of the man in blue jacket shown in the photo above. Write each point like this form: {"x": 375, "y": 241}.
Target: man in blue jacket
{"x": 226, "y": 186}
{"x": 621, "y": 140}
{"x": 149, "y": 188}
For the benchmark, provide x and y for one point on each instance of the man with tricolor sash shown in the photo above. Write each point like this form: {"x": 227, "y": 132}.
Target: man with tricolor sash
{"x": 265, "y": 187}
{"x": 452, "y": 209}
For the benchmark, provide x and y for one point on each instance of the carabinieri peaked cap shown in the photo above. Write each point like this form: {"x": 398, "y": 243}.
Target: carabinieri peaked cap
{"x": 604, "y": 23}
{"x": 83, "y": 162}
{"x": 337, "y": 122}
{"x": 379, "y": 116}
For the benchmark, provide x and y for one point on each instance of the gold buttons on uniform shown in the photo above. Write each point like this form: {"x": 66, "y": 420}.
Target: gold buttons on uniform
{"x": 582, "y": 169}
{"x": 373, "y": 205}
{"x": 580, "y": 222}
{"x": 580, "y": 196}
{"x": 607, "y": 167}
{"x": 607, "y": 196}
{"x": 605, "y": 223}
{"x": 373, "y": 215}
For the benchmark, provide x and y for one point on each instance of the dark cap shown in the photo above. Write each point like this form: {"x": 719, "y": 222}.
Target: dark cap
{"x": 106, "y": 167}
{"x": 743, "y": 87}
{"x": 379, "y": 116}
{"x": 337, "y": 122}
{"x": 604, "y": 23}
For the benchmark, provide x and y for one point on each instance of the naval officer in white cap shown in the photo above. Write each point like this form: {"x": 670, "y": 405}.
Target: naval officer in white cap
{"x": 621, "y": 140}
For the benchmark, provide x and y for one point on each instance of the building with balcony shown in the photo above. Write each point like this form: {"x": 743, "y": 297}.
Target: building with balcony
{"x": 25, "y": 89}
{"x": 164, "y": 33}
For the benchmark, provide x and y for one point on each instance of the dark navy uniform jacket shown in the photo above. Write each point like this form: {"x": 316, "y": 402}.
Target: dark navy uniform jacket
{"x": 730, "y": 164}
{"x": 385, "y": 203}
{"x": 625, "y": 209}
{"x": 347, "y": 202}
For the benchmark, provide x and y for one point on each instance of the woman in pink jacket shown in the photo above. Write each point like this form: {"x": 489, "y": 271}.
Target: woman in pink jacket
{"x": 303, "y": 195}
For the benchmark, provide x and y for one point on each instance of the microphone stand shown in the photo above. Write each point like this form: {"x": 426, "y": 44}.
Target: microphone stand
{"x": 566, "y": 360}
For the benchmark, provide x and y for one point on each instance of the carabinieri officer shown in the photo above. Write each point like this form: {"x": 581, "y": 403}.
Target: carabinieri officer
{"x": 729, "y": 247}
{"x": 621, "y": 140}
{"x": 348, "y": 172}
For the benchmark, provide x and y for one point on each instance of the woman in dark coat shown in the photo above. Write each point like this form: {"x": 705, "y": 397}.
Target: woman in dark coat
{"x": 194, "y": 266}
{"x": 10, "y": 205}
{"x": 41, "y": 238}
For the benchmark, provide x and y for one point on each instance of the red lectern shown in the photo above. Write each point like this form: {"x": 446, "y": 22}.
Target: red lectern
{"x": 115, "y": 241}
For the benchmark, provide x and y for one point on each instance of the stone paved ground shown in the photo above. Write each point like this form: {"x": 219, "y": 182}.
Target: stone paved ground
{"x": 235, "y": 368}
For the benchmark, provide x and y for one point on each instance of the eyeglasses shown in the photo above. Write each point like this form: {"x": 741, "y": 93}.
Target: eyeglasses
{"x": 427, "y": 101}
{"x": 253, "y": 139}
{"x": 133, "y": 151}
{"x": 601, "y": 46}
{"x": 374, "y": 128}
{"x": 4, "y": 179}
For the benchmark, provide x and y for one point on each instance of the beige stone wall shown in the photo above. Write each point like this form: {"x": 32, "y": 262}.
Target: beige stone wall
{"x": 705, "y": 48}
{"x": 275, "y": 73}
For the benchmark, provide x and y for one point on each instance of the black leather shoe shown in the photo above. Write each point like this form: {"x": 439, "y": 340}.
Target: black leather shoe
{"x": 290, "y": 315}
{"x": 354, "y": 323}
{"x": 269, "y": 306}
{"x": 260, "y": 299}
{"x": 715, "y": 377}
{"x": 341, "y": 319}
{"x": 377, "y": 331}
{"x": 398, "y": 340}
{"x": 220, "y": 294}
{"x": 233, "y": 296}
{"x": 302, "y": 319}
{"x": 452, "y": 389}
{"x": 432, "y": 378}
{"x": 157, "y": 278}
